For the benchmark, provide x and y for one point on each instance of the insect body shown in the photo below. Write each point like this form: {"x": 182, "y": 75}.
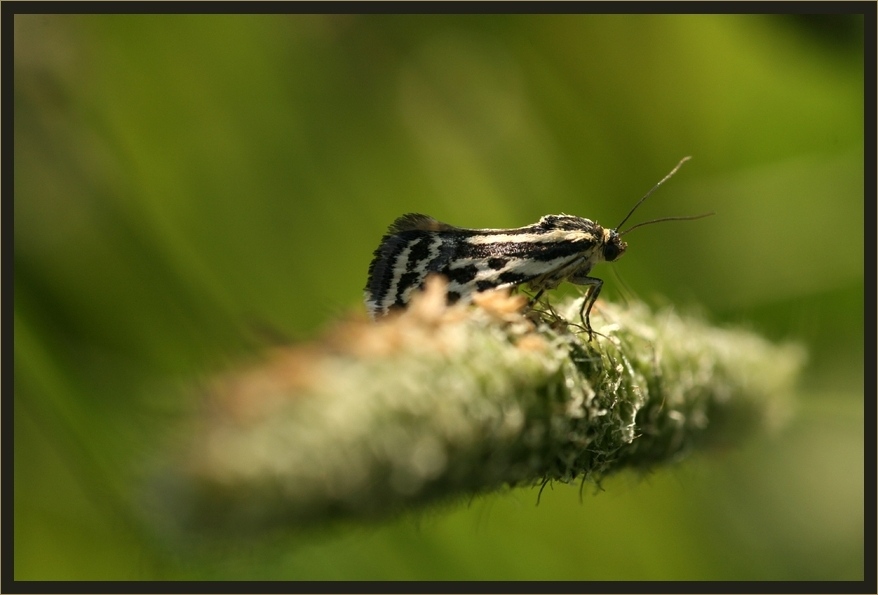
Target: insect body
{"x": 556, "y": 248}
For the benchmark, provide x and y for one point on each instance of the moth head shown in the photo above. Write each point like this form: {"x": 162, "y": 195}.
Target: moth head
{"x": 614, "y": 246}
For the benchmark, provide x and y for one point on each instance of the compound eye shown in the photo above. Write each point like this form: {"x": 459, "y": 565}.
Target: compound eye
{"x": 614, "y": 249}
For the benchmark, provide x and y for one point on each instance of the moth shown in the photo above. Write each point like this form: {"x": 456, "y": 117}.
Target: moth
{"x": 556, "y": 248}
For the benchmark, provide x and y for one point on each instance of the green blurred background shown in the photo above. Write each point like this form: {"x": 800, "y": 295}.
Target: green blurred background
{"x": 189, "y": 187}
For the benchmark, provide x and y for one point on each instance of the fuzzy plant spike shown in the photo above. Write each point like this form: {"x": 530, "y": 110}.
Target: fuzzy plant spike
{"x": 442, "y": 402}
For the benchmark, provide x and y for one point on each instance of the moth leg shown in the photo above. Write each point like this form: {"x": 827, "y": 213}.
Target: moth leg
{"x": 535, "y": 298}
{"x": 532, "y": 312}
{"x": 592, "y": 293}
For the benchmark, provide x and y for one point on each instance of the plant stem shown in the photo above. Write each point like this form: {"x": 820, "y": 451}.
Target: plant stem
{"x": 441, "y": 402}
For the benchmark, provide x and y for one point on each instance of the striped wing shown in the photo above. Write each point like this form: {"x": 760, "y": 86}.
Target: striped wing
{"x": 541, "y": 255}
{"x": 414, "y": 246}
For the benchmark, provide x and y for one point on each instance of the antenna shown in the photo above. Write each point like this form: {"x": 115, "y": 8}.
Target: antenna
{"x": 654, "y": 188}
{"x": 687, "y": 218}
{"x": 647, "y": 195}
